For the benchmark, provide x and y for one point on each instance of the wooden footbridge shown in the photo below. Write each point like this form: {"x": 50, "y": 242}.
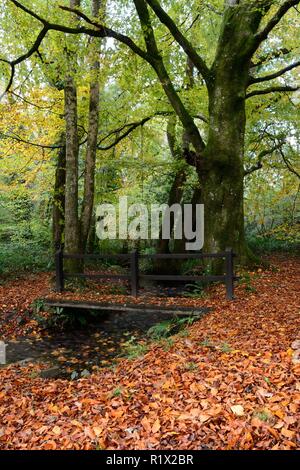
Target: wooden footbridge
{"x": 134, "y": 276}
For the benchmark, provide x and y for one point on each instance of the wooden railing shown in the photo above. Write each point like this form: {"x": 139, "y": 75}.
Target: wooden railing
{"x": 134, "y": 275}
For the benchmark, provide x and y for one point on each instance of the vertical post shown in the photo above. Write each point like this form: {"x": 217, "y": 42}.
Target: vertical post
{"x": 229, "y": 273}
{"x": 134, "y": 267}
{"x": 59, "y": 267}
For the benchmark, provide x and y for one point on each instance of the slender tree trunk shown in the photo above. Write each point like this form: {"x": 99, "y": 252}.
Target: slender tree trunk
{"x": 71, "y": 194}
{"x": 72, "y": 229}
{"x": 177, "y": 187}
{"x": 90, "y": 161}
{"x": 58, "y": 211}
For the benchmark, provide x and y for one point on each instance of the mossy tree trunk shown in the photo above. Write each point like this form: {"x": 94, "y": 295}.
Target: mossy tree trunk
{"x": 221, "y": 166}
{"x": 58, "y": 207}
{"x": 219, "y": 161}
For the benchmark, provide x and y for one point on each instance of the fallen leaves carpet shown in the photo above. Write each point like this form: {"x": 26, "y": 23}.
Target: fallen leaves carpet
{"x": 230, "y": 382}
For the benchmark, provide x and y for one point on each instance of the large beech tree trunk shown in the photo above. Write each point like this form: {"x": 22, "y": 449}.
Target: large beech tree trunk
{"x": 219, "y": 160}
{"x": 221, "y": 168}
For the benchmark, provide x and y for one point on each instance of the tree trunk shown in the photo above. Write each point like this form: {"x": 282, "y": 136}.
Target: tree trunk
{"x": 177, "y": 187}
{"x": 90, "y": 161}
{"x": 221, "y": 169}
{"x": 72, "y": 232}
{"x": 58, "y": 212}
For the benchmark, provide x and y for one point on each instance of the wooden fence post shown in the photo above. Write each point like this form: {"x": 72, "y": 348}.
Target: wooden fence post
{"x": 59, "y": 267}
{"x": 229, "y": 273}
{"x": 134, "y": 267}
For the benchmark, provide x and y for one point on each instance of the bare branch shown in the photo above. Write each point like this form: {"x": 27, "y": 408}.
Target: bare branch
{"x": 274, "y": 89}
{"x": 275, "y": 74}
{"x": 48, "y": 109}
{"x": 81, "y": 15}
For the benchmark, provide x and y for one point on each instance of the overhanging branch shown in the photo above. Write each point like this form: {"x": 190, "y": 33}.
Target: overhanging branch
{"x": 258, "y": 165}
{"x": 263, "y": 34}
{"x": 288, "y": 164}
{"x": 277, "y": 74}
{"x": 180, "y": 39}
{"x": 101, "y": 31}
{"x": 274, "y": 89}
{"x": 130, "y": 128}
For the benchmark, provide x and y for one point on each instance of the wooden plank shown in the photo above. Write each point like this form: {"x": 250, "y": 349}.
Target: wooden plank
{"x": 98, "y": 276}
{"x": 178, "y": 310}
{"x": 158, "y": 277}
{"x": 97, "y": 256}
{"x": 134, "y": 266}
{"x": 184, "y": 255}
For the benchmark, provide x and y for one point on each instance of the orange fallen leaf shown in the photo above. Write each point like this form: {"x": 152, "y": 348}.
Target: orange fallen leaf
{"x": 156, "y": 426}
{"x": 238, "y": 410}
{"x": 56, "y": 430}
{"x": 287, "y": 433}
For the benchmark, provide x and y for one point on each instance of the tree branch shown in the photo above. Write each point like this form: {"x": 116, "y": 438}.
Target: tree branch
{"x": 262, "y": 35}
{"x": 274, "y": 89}
{"x": 288, "y": 164}
{"x": 131, "y": 127}
{"x": 161, "y": 71}
{"x": 258, "y": 165}
{"x": 181, "y": 39}
{"x": 28, "y": 142}
{"x": 275, "y": 74}
{"x": 107, "y": 32}
{"x": 34, "y": 144}
{"x": 101, "y": 31}
{"x": 262, "y": 59}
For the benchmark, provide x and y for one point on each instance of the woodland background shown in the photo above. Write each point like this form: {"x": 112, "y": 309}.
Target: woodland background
{"x": 129, "y": 140}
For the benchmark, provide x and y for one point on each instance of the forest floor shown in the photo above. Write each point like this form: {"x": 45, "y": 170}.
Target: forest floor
{"x": 229, "y": 381}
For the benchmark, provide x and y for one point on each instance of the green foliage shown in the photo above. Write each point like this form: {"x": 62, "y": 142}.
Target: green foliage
{"x": 63, "y": 318}
{"x": 18, "y": 257}
{"x": 191, "y": 366}
{"x": 246, "y": 281}
{"x": 161, "y": 330}
{"x": 263, "y": 415}
{"x": 117, "y": 392}
{"x": 25, "y": 240}
{"x": 195, "y": 290}
{"x": 284, "y": 237}
{"x": 167, "y": 328}
{"x": 225, "y": 348}
{"x": 133, "y": 350}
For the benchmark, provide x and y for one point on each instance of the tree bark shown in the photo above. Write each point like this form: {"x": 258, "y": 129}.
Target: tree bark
{"x": 58, "y": 211}
{"x": 177, "y": 186}
{"x": 72, "y": 229}
{"x": 221, "y": 171}
{"x": 90, "y": 161}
